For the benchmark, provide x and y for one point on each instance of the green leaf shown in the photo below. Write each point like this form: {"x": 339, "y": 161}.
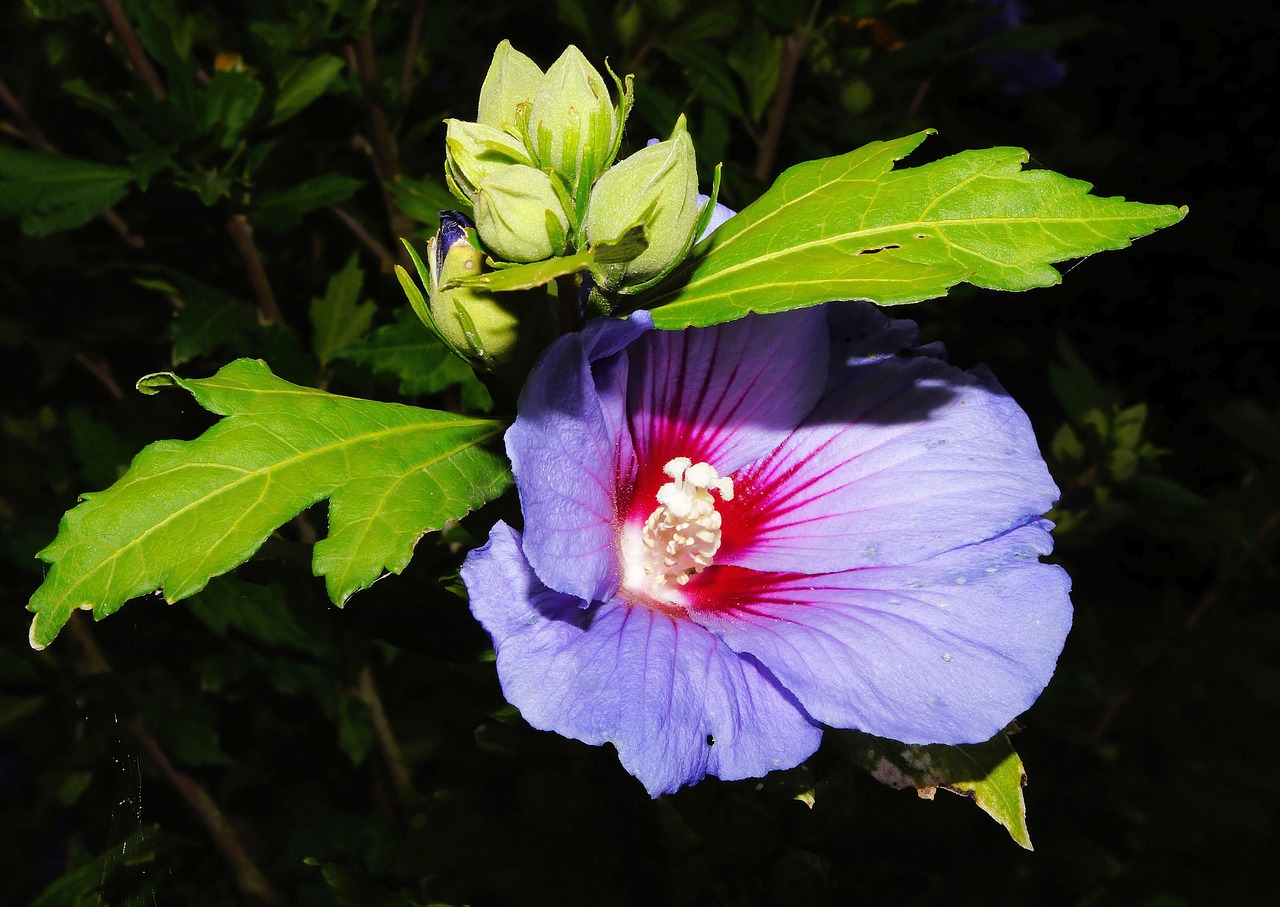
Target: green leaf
{"x": 525, "y": 277}
{"x": 229, "y": 103}
{"x": 407, "y": 351}
{"x": 283, "y": 210}
{"x": 187, "y": 511}
{"x": 851, "y": 227}
{"x": 256, "y": 612}
{"x": 339, "y": 318}
{"x": 49, "y": 193}
{"x": 422, "y": 200}
{"x": 990, "y": 774}
{"x": 305, "y": 84}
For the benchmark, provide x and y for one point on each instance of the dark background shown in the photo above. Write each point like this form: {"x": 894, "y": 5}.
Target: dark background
{"x": 1150, "y": 375}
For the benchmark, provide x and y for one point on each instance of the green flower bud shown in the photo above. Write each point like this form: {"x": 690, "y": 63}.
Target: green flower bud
{"x": 656, "y": 186}
{"x": 513, "y": 79}
{"x": 474, "y": 152}
{"x": 519, "y": 215}
{"x": 572, "y": 123}
{"x": 482, "y": 326}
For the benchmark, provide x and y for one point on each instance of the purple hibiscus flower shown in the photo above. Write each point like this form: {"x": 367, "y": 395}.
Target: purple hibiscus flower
{"x": 736, "y": 535}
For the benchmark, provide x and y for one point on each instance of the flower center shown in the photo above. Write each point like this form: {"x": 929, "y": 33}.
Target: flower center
{"x": 681, "y": 536}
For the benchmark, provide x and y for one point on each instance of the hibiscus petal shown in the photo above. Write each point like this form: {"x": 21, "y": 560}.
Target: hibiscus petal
{"x": 724, "y": 395}
{"x": 861, "y": 332}
{"x": 904, "y": 458}
{"x": 945, "y": 651}
{"x": 675, "y": 701}
{"x": 569, "y": 453}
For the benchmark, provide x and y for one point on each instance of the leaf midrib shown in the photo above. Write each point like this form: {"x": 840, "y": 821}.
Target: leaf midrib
{"x": 875, "y": 231}
{"x": 284, "y": 464}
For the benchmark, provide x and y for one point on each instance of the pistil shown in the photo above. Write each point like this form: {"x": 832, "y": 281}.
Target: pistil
{"x": 682, "y": 535}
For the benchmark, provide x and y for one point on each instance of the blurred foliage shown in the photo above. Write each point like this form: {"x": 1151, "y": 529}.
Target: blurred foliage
{"x": 183, "y": 182}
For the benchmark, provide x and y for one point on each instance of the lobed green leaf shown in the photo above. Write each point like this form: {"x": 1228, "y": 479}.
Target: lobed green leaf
{"x": 187, "y": 511}
{"x": 339, "y": 317}
{"x": 852, "y": 227}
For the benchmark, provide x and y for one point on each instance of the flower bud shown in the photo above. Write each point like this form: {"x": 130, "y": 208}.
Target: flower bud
{"x": 474, "y": 152}
{"x": 482, "y": 326}
{"x": 513, "y": 79}
{"x": 519, "y": 215}
{"x": 572, "y": 122}
{"x": 656, "y": 186}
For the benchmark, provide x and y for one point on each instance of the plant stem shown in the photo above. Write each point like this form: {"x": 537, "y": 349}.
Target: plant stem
{"x": 767, "y": 154}
{"x": 366, "y": 691}
{"x": 385, "y": 155}
{"x": 385, "y": 259}
{"x": 133, "y": 48}
{"x": 242, "y": 237}
{"x": 407, "y": 80}
{"x": 568, "y": 306}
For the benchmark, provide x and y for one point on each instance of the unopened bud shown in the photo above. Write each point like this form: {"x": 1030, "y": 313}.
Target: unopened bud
{"x": 519, "y": 215}
{"x": 474, "y": 152}
{"x": 572, "y": 123}
{"x": 658, "y": 187}
{"x": 483, "y": 326}
{"x": 513, "y": 80}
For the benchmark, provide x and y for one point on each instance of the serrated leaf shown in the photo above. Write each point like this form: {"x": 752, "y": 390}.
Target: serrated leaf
{"x": 49, "y": 193}
{"x": 285, "y": 209}
{"x": 339, "y": 318}
{"x": 187, "y": 511}
{"x": 209, "y": 321}
{"x": 421, "y": 364}
{"x": 990, "y": 774}
{"x": 851, "y": 227}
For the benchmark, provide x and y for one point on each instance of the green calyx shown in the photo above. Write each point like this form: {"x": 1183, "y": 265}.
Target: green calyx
{"x": 519, "y": 215}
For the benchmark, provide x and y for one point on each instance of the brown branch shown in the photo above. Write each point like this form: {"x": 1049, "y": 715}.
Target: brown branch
{"x": 767, "y": 154}
{"x": 101, "y": 371}
{"x": 249, "y": 878}
{"x": 133, "y": 48}
{"x": 385, "y": 154}
{"x": 407, "y": 81}
{"x": 242, "y": 236}
{"x": 385, "y": 259}
{"x": 917, "y": 99}
{"x": 366, "y": 691}
{"x": 31, "y": 132}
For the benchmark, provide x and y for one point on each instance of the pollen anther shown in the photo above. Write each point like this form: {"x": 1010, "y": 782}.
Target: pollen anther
{"x": 682, "y": 534}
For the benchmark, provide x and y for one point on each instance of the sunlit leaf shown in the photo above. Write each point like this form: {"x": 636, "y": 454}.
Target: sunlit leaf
{"x": 990, "y": 774}
{"x": 187, "y": 511}
{"x": 851, "y": 227}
